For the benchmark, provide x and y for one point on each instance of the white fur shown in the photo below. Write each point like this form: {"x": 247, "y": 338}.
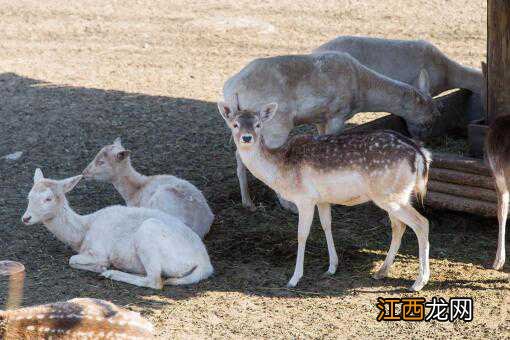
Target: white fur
{"x": 169, "y": 194}
{"x": 140, "y": 241}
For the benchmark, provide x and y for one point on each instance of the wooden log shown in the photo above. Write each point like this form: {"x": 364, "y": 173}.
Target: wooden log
{"x": 459, "y": 177}
{"x": 463, "y": 191}
{"x": 460, "y": 163}
{"x": 389, "y": 122}
{"x": 451, "y": 202}
{"x": 498, "y": 58}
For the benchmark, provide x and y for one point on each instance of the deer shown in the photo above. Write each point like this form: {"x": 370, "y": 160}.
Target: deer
{"x": 167, "y": 193}
{"x": 497, "y": 152}
{"x": 80, "y": 318}
{"x": 403, "y": 60}
{"x": 144, "y": 244}
{"x": 325, "y": 89}
{"x": 348, "y": 169}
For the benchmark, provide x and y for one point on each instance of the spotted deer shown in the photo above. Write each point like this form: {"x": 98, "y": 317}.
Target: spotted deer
{"x": 402, "y": 60}
{"x": 167, "y": 193}
{"x": 81, "y": 318}
{"x": 324, "y": 89}
{"x": 497, "y": 150}
{"x": 349, "y": 169}
{"x": 148, "y": 247}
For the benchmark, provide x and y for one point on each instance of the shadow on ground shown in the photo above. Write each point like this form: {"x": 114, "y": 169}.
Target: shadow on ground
{"x": 60, "y": 128}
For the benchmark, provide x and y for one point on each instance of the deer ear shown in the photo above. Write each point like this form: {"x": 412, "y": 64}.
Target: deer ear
{"x": 68, "y": 184}
{"x": 38, "y": 175}
{"x": 424, "y": 82}
{"x": 225, "y": 111}
{"x": 122, "y": 155}
{"x": 117, "y": 141}
{"x": 267, "y": 112}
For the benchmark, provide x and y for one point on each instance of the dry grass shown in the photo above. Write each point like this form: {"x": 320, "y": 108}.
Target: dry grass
{"x": 74, "y": 75}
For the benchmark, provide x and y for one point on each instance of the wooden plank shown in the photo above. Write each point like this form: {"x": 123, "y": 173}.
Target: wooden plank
{"x": 451, "y": 202}
{"x": 389, "y": 122}
{"x": 498, "y": 58}
{"x": 463, "y": 191}
{"x": 463, "y": 178}
{"x": 460, "y": 163}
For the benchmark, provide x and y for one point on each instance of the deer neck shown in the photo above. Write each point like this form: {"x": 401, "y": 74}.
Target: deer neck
{"x": 382, "y": 94}
{"x": 464, "y": 77}
{"x": 263, "y": 164}
{"x": 69, "y": 227}
{"x": 128, "y": 183}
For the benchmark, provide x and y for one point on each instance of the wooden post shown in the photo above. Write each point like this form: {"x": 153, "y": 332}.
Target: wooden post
{"x": 498, "y": 58}
{"x": 12, "y": 275}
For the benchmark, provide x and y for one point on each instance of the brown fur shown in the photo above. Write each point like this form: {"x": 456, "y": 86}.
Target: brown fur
{"x": 77, "y": 318}
{"x": 365, "y": 152}
{"x": 497, "y": 145}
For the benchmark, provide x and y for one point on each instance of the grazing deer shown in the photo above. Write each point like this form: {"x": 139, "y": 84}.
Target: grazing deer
{"x": 141, "y": 241}
{"x": 169, "y": 194}
{"x": 348, "y": 169}
{"x": 497, "y": 150}
{"x": 324, "y": 89}
{"x": 81, "y": 318}
{"x": 403, "y": 60}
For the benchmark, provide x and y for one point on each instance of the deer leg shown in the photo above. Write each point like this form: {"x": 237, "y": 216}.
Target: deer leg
{"x": 420, "y": 225}
{"x": 243, "y": 184}
{"x": 149, "y": 256}
{"x": 397, "y": 230}
{"x": 305, "y": 222}
{"x": 287, "y": 205}
{"x": 87, "y": 262}
{"x": 503, "y": 198}
{"x": 325, "y": 217}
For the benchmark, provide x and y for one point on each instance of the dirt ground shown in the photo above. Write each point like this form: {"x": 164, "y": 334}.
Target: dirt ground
{"x": 75, "y": 75}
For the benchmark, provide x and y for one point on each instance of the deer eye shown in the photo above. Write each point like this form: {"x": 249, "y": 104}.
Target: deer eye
{"x": 257, "y": 126}
{"x": 235, "y": 125}
{"x": 100, "y": 162}
{"x": 48, "y": 199}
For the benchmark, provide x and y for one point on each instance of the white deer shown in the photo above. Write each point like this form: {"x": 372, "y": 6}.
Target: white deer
{"x": 323, "y": 89}
{"x": 404, "y": 59}
{"x": 81, "y": 318}
{"x": 348, "y": 169}
{"x": 169, "y": 194}
{"x": 497, "y": 148}
{"x": 139, "y": 241}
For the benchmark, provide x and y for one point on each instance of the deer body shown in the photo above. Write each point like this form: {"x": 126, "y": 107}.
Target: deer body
{"x": 81, "y": 318}
{"x": 403, "y": 59}
{"x": 167, "y": 193}
{"x": 497, "y": 147}
{"x": 324, "y": 89}
{"x": 347, "y": 169}
{"x": 135, "y": 240}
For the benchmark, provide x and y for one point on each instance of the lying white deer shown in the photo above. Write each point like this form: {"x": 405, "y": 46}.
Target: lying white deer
{"x": 81, "y": 318}
{"x": 323, "y": 89}
{"x": 135, "y": 240}
{"x": 349, "y": 169}
{"x": 404, "y": 59}
{"x": 169, "y": 194}
{"x": 497, "y": 148}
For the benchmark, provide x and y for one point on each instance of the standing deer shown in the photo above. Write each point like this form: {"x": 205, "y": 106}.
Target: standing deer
{"x": 81, "y": 318}
{"x": 167, "y": 193}
{"x": 497, "y": 147}
{"x": 145, "y": 245}
{"x": 324, "y": 89}
{"x": 349, "y": 169}
{"x": 404, "y": 59}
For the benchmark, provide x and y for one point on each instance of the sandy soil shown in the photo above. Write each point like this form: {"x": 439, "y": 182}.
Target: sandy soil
{"x": 75, "y": 75}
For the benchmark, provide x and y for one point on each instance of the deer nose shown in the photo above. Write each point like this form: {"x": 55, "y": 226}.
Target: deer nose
{"x": 26, "y": 219}
{"x": 246, "y": 138}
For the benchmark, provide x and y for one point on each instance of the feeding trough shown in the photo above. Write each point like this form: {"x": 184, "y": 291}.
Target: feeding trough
{"x": 464, "y": 182}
